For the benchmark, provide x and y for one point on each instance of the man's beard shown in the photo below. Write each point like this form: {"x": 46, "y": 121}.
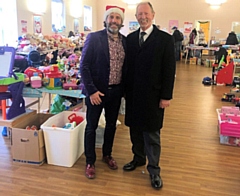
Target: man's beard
{"x": 111, "y": 30}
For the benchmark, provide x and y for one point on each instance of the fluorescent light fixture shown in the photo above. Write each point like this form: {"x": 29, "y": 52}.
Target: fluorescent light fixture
{"x": 215, "y": 4}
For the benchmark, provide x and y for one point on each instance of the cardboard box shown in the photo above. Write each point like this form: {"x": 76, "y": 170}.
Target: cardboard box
{"x": 193, "y": 61}
{"x": 28, "y": 145}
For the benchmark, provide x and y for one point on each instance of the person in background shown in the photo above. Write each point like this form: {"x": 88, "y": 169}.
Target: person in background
{"x": 192, "y": 41}
{"x": 232, "y": 39}
{"x": 148, "y": 90}
{"x": 178, "y": 38}
{"x": 192, "y": 36}
{"x": 101, "y": 70}
{"x": 71, "y": 34}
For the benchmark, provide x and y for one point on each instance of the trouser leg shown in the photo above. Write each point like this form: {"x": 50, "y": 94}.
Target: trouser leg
{"x": 112, "y": 105}
{"x": 92, "y": 117}
{"x": 153, "y": 149}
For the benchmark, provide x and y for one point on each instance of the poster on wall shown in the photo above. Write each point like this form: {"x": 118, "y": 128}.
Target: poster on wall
{"x": 187, "y": 27}
{"x": 37, "y": 24}
{"x": 23, "y": 26}
{"x": 76, "y": 26}
{"x": 133, "y": 26}
{"x": 172, "y": 23}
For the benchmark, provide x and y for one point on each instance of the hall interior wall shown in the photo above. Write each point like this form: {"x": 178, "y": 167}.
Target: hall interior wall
{"x": 183, "y": 11}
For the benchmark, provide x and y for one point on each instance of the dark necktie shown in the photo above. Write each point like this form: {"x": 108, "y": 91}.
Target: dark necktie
{"x": 141, "y": 40}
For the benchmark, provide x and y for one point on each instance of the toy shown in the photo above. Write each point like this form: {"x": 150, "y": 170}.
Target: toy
{"x": 33, "y": 127}
{"x": 228, "y": 97}
{"x": 73, "y": 117}
{"x": 36, "y": 81}
{"x": 30, "y": 70}
{"x": 70, "y": 86}
{"x": 70, "y": 125}
{"x": 53, "y": 78}
{"x": 207, "y": 81}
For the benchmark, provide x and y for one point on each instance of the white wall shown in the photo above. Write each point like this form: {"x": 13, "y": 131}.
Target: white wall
{"x": 184, "y": 11}
{"x": 24, "y": 14}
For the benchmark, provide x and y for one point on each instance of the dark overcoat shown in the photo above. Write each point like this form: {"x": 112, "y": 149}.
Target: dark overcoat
{"x": 149, "y": 78}
{"x": 95, "y": 62}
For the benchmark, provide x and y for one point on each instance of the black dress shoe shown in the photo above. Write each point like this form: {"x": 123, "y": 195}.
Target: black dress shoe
{"x": 156, "y": 181}
{"x": 132, "y": 165}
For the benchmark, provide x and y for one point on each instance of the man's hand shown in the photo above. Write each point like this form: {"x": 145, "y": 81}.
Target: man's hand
{"x": 164, "y": 103}
{"x": 95, "y": 98}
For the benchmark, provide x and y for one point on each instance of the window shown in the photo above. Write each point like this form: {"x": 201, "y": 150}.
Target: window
{"x": 8, "y": 28}
{"x": 87, "y": 18}
{"x": 58, "y": 16}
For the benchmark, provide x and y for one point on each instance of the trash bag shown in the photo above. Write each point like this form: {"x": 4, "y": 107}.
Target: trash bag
{"x": 57, "y": 105}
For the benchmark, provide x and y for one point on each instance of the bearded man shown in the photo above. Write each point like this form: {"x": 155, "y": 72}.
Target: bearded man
{"x": 101, "y": 69}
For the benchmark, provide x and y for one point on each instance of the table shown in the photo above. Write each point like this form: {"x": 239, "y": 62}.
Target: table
{"x": 37, "y": 93}
{"x": 198, "y": 48}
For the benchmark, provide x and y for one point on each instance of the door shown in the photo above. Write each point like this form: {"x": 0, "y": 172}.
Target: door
{"x": 205, "y": 25}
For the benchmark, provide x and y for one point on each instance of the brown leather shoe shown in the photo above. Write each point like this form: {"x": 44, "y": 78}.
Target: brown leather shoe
{"x": 112, "y": 164}
{"x": 90, "y": 171}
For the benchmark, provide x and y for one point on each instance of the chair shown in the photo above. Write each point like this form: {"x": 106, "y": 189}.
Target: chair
{"x": 34, "y": 59}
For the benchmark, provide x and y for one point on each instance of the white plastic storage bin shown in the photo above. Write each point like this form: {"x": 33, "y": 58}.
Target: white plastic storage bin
{"x": 63, "y": 146}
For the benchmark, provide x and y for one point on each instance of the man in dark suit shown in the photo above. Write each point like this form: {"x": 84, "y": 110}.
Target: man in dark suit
{"x": 149, "y": 87}
{"x": 101, "y": 70}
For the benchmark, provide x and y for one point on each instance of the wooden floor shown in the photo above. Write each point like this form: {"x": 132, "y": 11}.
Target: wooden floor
{"x": 193, "y": 162}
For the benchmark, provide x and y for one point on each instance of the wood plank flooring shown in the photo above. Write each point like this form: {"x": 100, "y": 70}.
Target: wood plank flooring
{"x": 193, "y": 162}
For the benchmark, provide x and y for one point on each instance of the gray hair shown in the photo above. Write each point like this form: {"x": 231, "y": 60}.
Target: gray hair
{"x": 145, "y": 2}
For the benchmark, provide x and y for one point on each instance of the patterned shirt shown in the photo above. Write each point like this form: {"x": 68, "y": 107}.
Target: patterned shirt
{"x": 117, "y": 55}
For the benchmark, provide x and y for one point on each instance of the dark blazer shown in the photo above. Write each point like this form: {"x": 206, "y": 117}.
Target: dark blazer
{"x": 95, "y": 62}
{"x": 150, "y": 77}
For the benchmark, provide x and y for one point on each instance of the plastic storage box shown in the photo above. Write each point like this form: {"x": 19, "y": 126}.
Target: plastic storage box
{"x": 229, "y": 121}
{"x": 63, "y": 146}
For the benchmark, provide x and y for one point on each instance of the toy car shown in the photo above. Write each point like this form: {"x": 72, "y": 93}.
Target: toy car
{"x": 228, "y": 97}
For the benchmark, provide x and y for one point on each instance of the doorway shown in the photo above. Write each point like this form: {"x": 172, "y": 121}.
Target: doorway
{"x": 205, "y": 25}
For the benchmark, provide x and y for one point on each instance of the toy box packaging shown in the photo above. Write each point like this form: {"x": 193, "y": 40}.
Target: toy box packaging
{"x": 228, "y": 140}
{"x": 229, "y": 121}
{"x": 27, "y": 140}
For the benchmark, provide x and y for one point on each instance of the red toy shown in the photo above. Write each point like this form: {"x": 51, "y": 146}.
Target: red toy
{"x": 74, "y": 118}
{"x": 30, "y": 70}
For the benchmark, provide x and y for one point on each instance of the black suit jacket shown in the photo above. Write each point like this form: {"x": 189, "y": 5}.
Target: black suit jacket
{"x": 149, "y": 78}
{"x": 95, "y": 62}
